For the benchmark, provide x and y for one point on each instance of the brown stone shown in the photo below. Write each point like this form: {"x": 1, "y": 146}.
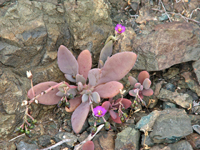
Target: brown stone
{"x": 104, "y": 140}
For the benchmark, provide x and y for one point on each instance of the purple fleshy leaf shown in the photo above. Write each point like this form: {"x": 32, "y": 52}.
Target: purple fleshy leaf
{"x": 96, "y": 97}
{"x": 147, "y": 83}
{"x": 117, "y": 66}
{"x": 85, "y": 98}
{"x": 80, "y": 78}
{"x": 100, "y": 65}
{"x": 109, "y": 89}
{"x": 147, "y": 92}
{"x": 49, "y": 98}
{"x": 137, "y": 85}
{"x": 66, "y": 61}
{"x": 106, "y": 52}
{"x": 71, "y": 78}
{"x": 79, "y": 116}
{"x": 85, "y": 63}
{"x": 113, "y": 114}
{"x": 117, "y": 120}
{"x": 132, "y": 93}
{"x": 94, "y": 76}
{"x": 142, "y": 76}
{"x": 132, "y": 80}
{"x": 74, "y": 103}
{"x": 89, "y": 145}
{"x": 126, "y": 102}
{"x": 106, "y": 105}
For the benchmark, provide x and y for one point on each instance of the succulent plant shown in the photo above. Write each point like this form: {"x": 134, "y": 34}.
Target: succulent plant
{"x": 141, "y": 88}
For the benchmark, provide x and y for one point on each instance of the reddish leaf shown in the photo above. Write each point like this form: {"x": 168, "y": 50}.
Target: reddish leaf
{"x": 137, "y": 85}
{"x": 117, "y": 66}
{"x": 80, "y": 78}
{"x": 74, "y": 103}
{"x": 132, "y": 80}
{"x": 113, "y": 114}
{"x": 147, "y": 83}
{"x": 70, "y": 77}
{"x": 79, "y": 116}
{"x": 147, "y": 92}
{"x": 66, "y": 61}
{"x": 94, "y": 76}
{"x": 96, "y": 97}
{"x": 132, "y": 92}
{"x": 143, "y": 75}
{"x": 106, "y": 105}
{"x": 109, "y": 89}
{"x": 117, "y": 120}
{"x": 49, "y": 98}
{"x": 89, "y": 145}
{"x": 106, "y": 51}
{"x": 85, "y": 63}
{"x": 126, "y": 102}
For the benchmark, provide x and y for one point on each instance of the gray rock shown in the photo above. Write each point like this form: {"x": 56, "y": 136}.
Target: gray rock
{"x": 127, "y": 139}
{"x": 170, "y": 87}
{"x": 191, "y": 83}
{"x": 161, "y": 48}
{"x": 65, "y": 135}
{"x": 184, "y": 100}
{"x": 83, "y": 136}
{"x": 44, "y": 140}
{"x": 25, "y": 146}
{"x": 181, "y": 145}
{"x": 89, "y": 23}
{"x": 168, "y": 105}
{"x": 171, "y": 126}
{"x": 147, "y": 122}
{"x": 172, "y": 72}
{"x": 196, "y": 128}
{"x": 147, "y": 141}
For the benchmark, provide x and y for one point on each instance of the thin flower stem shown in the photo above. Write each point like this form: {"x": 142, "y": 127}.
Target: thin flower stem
{"x": 32, "y": 87}
{"x": 104, "y": 119}
{"x": 27, "y": 123}
{"x": 30, "y": 116}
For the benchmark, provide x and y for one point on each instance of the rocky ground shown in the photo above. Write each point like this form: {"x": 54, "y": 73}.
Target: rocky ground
{"x": 31, "y": 32}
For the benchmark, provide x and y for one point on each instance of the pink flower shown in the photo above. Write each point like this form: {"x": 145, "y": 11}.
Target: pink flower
{"x": 99, "y": 111}
{"x": 120, "y": 28}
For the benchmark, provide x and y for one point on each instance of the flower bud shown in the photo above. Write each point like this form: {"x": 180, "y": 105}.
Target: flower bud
{"x": 93, "y": 130}
{"x": 80, "y": 86}
{"x": 24, "y": 103}
{"x": 36, "y": 101}
{"x": 67, "y": 104}
{"x": 125, "y": 116}
{"x": 59, "y": 104}
{"x": 107, "y": 126}
{"x": 122, "y": 119}
{"x": 29, "y": 74}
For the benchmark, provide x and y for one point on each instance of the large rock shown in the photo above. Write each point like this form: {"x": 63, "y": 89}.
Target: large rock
{"x": 170, "y": 126}
{"x": 127, "y": 139}
{"x": 90, "y": 24}
{"x": 184, "y": 100}
{"x": 164, "y": 45}
{"x": 104, "y": 140}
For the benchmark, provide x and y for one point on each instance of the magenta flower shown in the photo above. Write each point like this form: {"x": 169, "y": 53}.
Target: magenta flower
{"x": 120, "y": 28}
{"x": 99, "y": 111}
